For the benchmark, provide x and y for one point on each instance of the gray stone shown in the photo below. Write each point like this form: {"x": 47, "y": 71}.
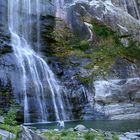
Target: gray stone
{"x": 71, "y": 129}
{"x": 80, "y": 127}
{"x": 1, "y": 119}
{"x": 5, "y": 134}
{"x": 123, "y": 138}
{"x": 132, "y": 135}
{"x": 56, "y": 130}
{"x": 115, "y": 98}
{"x": 93, "y": 130}
{"x": 28, "y": 134}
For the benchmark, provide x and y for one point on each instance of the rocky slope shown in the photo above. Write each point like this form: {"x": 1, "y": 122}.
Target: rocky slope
{"x": 102, "y": 43}
{"x": 93, "y": 48}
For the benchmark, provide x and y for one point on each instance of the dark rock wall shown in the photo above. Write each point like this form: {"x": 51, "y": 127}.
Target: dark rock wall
{"x": 5, "y": 49}
{"x": 67, "y": 47}
{"x": 123, "y": 18}
{"x": 3, "y": 13}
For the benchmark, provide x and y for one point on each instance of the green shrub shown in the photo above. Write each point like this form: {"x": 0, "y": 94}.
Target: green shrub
{"x": 12, "y": 129}
{"x": 64, "y": 133}
{"x": 101, "y": 29}
{"x": 10, "y": 118}
{"x": 84, "y": 45}
{"x": 89, "y": 136}
{"x": 1, "y": 112}
{"x": 115, "y": 137}
{"x": 84, "y": 80}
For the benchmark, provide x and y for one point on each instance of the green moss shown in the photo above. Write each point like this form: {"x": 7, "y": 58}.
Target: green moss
{"x": 104, "y": 57}
{"x": 6, "y": 49}
{"x": 132, "y": 51}
{"x": 6, "y": 93}
{"x": 66, "y": 44}
{"x": 101, "y": 29}
{"x": 102, "y": 53}
{"x": 138, "y": 1}
{"x": 109, "y": 48}
{"x": 82, "y": 45}
{"x": 84, "y": 80}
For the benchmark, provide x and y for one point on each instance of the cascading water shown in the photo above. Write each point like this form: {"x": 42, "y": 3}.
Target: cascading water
{"x": 43, "y": 100}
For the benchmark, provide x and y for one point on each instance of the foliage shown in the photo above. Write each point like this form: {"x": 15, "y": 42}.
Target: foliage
{"x": 115, "y": 137}
{"x": 63, "y": 135}
{"x": 132, "y": 51}
{"x": 138, "y": 1}
{"x": 102, "y": 52}
{"x": 6, "y": 93}
{"x": 89, "y": 136}
{"x": 71, "y": 135}
{"x": 13, "y": 129}
{"x": 101, "y": 29}
{"x": 84, "y": 80}
{"x": 10, "y": 118}
{"x": 83, "y": 45}
{"x": 14, "y": 106}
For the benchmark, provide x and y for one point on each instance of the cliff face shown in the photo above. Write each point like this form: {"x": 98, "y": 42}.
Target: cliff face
{"x": 105, "y": 36}
{"x": 93, "y": 48}
{"x": 6, "y": 58}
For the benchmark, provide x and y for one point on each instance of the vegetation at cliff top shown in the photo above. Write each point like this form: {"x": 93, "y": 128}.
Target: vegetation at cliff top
{"x": 102, "y": 52}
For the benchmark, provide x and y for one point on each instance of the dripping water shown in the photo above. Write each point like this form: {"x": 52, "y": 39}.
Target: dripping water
{"x": 43, "y": 100}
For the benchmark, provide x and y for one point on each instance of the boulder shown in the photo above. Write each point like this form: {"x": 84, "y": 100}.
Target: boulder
{"x": 80, "y": 127}
{"x": 132, "y": 135}
{"x": 28, "y": 134}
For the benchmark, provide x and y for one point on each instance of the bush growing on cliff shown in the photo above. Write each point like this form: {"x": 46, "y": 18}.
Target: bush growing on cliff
{"x": 101, "y": 53}
{"x": 84, "y": 45}
{"x": 89, "y": 136}
{"x": 10, "y": 118}
{"x": 101, "y": 29}
{"x": 13, "y": 129}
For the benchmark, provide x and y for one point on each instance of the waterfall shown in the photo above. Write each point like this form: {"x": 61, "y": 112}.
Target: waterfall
{"x": 43, "y": 100}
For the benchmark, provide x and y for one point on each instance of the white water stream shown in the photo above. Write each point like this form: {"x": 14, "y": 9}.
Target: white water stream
{"x": 38, "y": 81}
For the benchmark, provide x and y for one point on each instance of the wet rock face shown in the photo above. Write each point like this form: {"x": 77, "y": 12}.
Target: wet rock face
{"x": 5, "y": 62}
{"x": 119, "y": 99}
{"x": 121, "y": 15}
{"x": 3, "y": 15}
{"x": 28, "y": 134}
{"x": 9, "y": 72}
{"x": 116, "y": 99}
{"x": 74, "y": 14}
{"x": 131, "y": 6}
